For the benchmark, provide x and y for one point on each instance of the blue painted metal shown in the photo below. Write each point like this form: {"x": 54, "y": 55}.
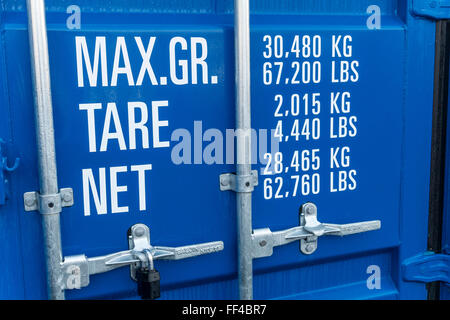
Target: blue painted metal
{"x": 436, "y": 9}
{"x": 3, "y": 180}
{"x": 4, "y": 189}
{"x": 427, "y": 267}
{"x": 445, "y": 286}
{"x": 392, "y": 101}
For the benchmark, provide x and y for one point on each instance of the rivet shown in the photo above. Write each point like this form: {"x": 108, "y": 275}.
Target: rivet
{"x": 139, "y": 231}
{"x": 67, "y": 197}
{"x": 30, "y": 202}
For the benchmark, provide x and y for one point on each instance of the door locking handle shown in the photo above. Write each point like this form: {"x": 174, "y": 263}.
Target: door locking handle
{"x": 310, "y": 229}
{"x": 77, "y": 269}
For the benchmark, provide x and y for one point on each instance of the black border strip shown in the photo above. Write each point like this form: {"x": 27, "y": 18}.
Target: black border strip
{"x": 438, "y": 146}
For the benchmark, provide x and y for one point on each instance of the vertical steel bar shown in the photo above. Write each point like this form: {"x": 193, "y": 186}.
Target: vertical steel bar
{"x": 43, "y": 109}
{"x": 243, "y": 126}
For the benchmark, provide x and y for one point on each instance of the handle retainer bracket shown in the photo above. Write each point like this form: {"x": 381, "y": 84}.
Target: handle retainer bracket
{"x": 310, "y": 229}
{"x": 77, "y": 269}
{"x": 239, "y": 183}
{"x": 48, "y": 204}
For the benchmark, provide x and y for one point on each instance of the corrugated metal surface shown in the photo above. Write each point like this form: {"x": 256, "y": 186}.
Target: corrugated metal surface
{"x": 328, "y": 7}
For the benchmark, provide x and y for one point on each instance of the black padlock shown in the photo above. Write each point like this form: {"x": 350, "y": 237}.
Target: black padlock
{"x": 148, "y": 282}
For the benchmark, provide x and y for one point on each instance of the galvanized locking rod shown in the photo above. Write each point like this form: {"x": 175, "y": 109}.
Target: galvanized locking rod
{"x": 243, "y": 150}
{"x": 37, "y": 30}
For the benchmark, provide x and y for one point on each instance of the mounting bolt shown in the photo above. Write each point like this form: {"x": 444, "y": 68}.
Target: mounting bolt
{"x": 309, "y": 247}
{"x": 310, "y": 208}
{"x": 67, "y": 197}
{"x": 139, "y": 231}
{"x": 263, "y": 243}
{"x": 30, "y": 202}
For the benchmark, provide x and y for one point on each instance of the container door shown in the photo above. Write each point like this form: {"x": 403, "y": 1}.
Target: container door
{"x": 11, "y": 280}
{"x": 341, "y": 95}
{"x": 136, "y": 105}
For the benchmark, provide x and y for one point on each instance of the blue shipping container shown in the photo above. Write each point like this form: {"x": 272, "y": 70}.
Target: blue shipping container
{"x": 144, "y": 113}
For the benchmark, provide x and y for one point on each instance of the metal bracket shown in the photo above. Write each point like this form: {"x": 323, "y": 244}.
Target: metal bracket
{"x": 238, "y": 183}
{"x": 435, "y": 9}
{"x": 308, "y": 232}
{"x": 427, "y": 267}
{"x": 48, "y": 204}
{"x": 76, "y": 270}
{"x": 5, "y": 168}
